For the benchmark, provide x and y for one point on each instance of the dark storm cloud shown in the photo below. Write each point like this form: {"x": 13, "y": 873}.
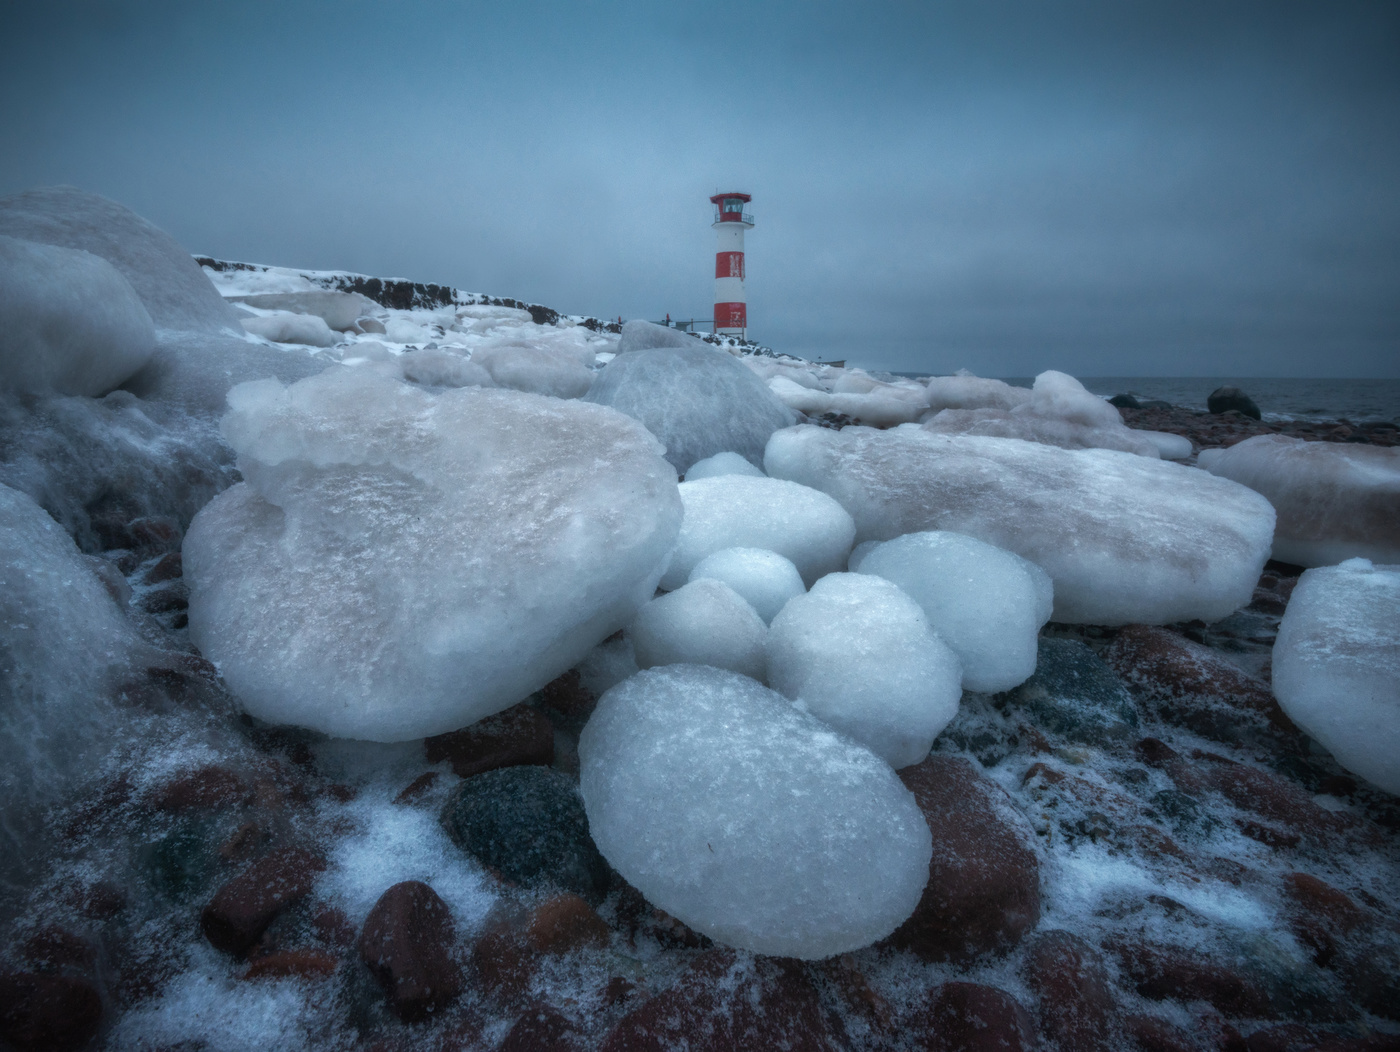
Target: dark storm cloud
{"x": 1162, "y": 189}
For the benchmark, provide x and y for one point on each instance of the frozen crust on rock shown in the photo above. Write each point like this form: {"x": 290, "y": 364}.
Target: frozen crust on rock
{"x": 1334, "y": 501}
{"x": 401, "y": 563}
{"x": 704, "y": 623}
{"x": 1125, "y": 539}
{"x": 750, "y": 821}
{"x": 1336, "y": 669}
{"x": 737, "y": 511}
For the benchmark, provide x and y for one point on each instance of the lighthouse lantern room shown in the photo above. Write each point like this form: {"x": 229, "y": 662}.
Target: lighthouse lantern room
{"x": 731, "y": 309}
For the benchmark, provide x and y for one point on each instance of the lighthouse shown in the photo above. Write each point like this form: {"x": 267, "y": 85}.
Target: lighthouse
{"x": 731, "y": 309}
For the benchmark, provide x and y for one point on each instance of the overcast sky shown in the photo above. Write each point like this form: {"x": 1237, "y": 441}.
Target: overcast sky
{"x": 1116, "y": 188}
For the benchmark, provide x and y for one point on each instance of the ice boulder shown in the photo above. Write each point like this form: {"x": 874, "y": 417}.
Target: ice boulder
{"x": 285, "y": 327}
{"x": 1335, "y": 501}
{"x": 736, "y": 511}
{"x": 175, "y": 291}
{"x": 765, "y": 579}
{"x": 1336, "y": 668}
{"x": 69, "y": 322}
{"x": 750, "y": 821}
{"x": 401, "y": 563}
{"x": 703, "y": 623}
{"x": 195, "y": 370}
{"x": 438, "y": 368}
{"x": 965, "y": 391}
{"x": 536, "y": 369}
{"x": 1169, "y": 446}
{"x": 638, "y": 335}
{"x": 986, "y": 603}
{"x": 721, "y": 464}
{"x": 858, "y": 653}
{"x": 698, "y": 400}
{"x": 1125, "y": 539}
{"x": 875, "y": 403}
{"x": 339, "y": 310}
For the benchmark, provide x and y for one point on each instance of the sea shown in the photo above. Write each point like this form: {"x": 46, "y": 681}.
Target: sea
{"x": 1359, "y": 401}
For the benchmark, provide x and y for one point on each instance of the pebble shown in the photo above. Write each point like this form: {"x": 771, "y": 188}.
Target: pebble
{"x": 243, "y": 908}
{"x": 407, "y": 943}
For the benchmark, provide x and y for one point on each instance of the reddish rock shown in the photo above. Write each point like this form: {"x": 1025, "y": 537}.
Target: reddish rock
{"x": 618, "y": 989}
{"x": 1270, "y": 797}
{"x": 334, "y": 927}
{"x": 407, "y": 944}
{"x": 1169, "y": 973}
{"x": 724, "y": 1003}
{"x": 1071, "y": 984}
{"x": 242, "y": 841}
{"x": 983, "y": 892}
{"x": 170, "y": 567}
{"x": 970, "y": 1017}
{"x": 855, "y": 991}
{"x": 568, "y": 697}
{"x": 1148, "y": 1033}
{"x": 302, "y": 964}
{"x": 543, "y": 1030}
{"x": 206, "y": 789}
{"x": 1193, "y": 686}
{"x": 52, "y": 947}
{"x": 518, "y": 736}
{"x": 242, "y": 909}
{"x": 502, "y": 965}
{"x": 47, "y": 1013}
{"x": 566, "y": 922}
{"x": 417, "y": 787}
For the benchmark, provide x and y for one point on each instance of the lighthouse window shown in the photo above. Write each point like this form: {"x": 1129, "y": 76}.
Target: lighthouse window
{"x": 733, "y": 204}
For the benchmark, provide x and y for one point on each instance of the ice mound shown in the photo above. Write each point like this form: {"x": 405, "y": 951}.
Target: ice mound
{"x": 765, "y": 579}
{"x": 284, "y": 327}
{"x": 1336, "y": 668}
{"x": 703, "y": 623}
{"x": 1169, "y": 446}
{"x": 339, "y": 310}
{"x": 721, "y": 464}
{"x": 539, "y": 370}
{"x": 401, "y": 563}
{"x": 748, "y": 820}
{"x": 442, "y": 369}
{"x": 876, "y": 403}
{"x": 195, "y": 370}
{"x": 70, "y": 322}
{"x": 641, "y": 335}
{"x": 1058, "y": 412}
{"x": 176, "y": 293}
{"x": 699, "y": 401}
{"x": 858, "y": 653}
{"x": 1125, "y": 539}
{"x": 987, "y": 604}
{"x": 965, "y": 391}
{"x": 1334, "y": 501}
{"x": 735, "y": 511}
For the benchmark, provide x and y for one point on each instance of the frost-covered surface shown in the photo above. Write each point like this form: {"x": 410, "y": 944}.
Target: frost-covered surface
{"x": 1124, "y": 538}
{"x": 71, "y": 323}
{"x": 736, "y": 511}
{"x": 400, "y": 563}
{"x": 858, "y": 653}
{"x": 704, "y": 622}
{"x": 1334, "y": 501}
{"x": 721, "y": 464}
{"x": 774, "y": 835}
{"x": 766, "y": 579}
{"x": 986, "y": 603}
{"x": 1337, "y": 666}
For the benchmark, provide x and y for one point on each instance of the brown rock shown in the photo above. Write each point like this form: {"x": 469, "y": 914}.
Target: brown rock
{"x": 1148, "y": 1033}
{"x": 543, "y": 1030}
{"x": 970, "y": 1017}
{"x": 568, "y": 697}
{"x": 566, "y": 922}
{"x": 724, "y": 1003}
{"x": 502, "y": 965}
{"x": 47, "y": 1013}
{"x": 518, "y": 736}
{"x": 302, "y": 964}
{"x": 1169, "y": 973}
{"x": 407, "y": 944}
{"x": 1270, "y": 797}
{"x": 1075, "y": 1000}
{"x": 983, "y": 892}
{"x": 206, "y": 789}
{"x": 334, "y": 927}
{"x": 242, "y": 909}
{"x": 1192, "y": 686}
{"x": 170, "y": 567}
{"x": 417, "y": 787}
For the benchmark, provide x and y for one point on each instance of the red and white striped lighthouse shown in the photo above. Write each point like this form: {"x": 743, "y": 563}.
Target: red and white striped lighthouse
{"x": 731, "y": 309}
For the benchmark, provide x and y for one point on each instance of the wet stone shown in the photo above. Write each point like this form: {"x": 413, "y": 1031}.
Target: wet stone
{"x": 243, "y": 908}
{"x": 1075, "y": 1002}
{"x": 519, "y": 735}
{"x": 543, "y": 1030}
{"x": 971, "y": 1017}
{"x": 407, "y": 944}
{"x": 1074, "y": 694}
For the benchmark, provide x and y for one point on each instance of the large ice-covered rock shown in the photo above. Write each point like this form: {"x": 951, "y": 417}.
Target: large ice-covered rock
{"x": 286, "y": 327}
{"x": 872, "y": 402}
{"x": 747, "y": 819}
{"x": 858, "y": 653}
{"x": 196, "y": 370}
{"x": 638, "y": 335}
{"x": 698, "y": 400}
{"x": 703, "y": 623}
{"x": 69, "y": 322}
{"x": 986, "y": 603}
{"x": 1336, "y": 667}
{"x": 965, "y": 391}
{"x": 176, "y": 293}
{"x": 1058, "y": 412}
{"x": 721, "y": 464}
{"x": 339, "y": 310}
{"x": 766, "y": 579}
{"x": 401, "y": 563}
{"x": 540, "y": 370}
{"x": 1335, "y": 501}
{"x": 736, "y": 511}
{"x": 1125, "y": 539}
